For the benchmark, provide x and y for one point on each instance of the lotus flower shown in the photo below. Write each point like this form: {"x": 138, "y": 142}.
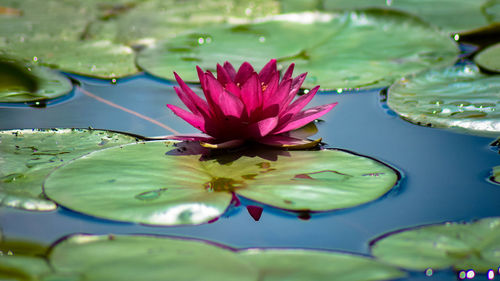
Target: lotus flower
{"x": 247, "y": 106}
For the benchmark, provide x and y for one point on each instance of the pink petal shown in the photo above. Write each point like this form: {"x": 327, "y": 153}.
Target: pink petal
{"x": 196, "y": 104}
{"x": 245, "y": 71}
{"x": 288, "y": 142}
{"x": 302, "y": 118}
{"x": 288, "y": 72}
{"x": 222, "y": 75}
{"x": 279, "y": 96}
{"x": 230, "y": 104}
{"x": 255, "y": 212}
{"x": 251, "y": 93}
{"x": 230, "y": 70}
{"x": 193, "y": 137}
{"x": 294, "y": 89}
{"x": 223, "y": 145}
{"x": 267, "y": 71}
{"x": 194, "y": 120}
{"x": 270, "y": 88}
{"x": 227, "y": 81}
{"x": 263, "y": 127}
{"x": 201, "y": 77}
{"x": 301, "y": 102}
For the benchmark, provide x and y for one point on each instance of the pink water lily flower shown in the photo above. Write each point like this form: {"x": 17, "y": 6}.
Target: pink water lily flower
{"x": 248, "y": 106}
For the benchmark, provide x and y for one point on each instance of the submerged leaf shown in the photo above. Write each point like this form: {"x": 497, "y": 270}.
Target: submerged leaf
{"x": 338, "y": 50}
{"x": 157, "y": 183}
{"x": 457, "y": 96}
{"x": 27, "y": 157}
{"x": 461, "y": 246}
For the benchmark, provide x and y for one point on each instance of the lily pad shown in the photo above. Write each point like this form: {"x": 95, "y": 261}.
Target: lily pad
{"x": 21, "y": 260}
{"x": 34, "y": 35}
{"x": 119, "y": 257}
{"x": 338, "y": 50}
{"x": 296, "y": 265}
{"x": 489, "y": 58}
{"x": 147, "y": 258}
{"x": 149, "y": 21}
{"x": 450, "y": 15}
{"x": 49, "y": 85}
{"x": 496, "y": 174}
{"x": 27, "y": 156}
{"x": 458, "y": 96}
{"x": 462, "y": 246}
{"x": 158, "y": 183}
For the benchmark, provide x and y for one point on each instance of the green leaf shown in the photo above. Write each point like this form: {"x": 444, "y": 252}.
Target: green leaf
{"x": 18, "y": 87}
{"x": 147, "y": 258}
{"x": 28, "y": 156}
{"x": 33, "y": 33}
{"x": 119, "y": 257}
{"x": 458, "y": 96}
{"x": 150, "y": 21}
{"x": 489, "y": 58}
{"x": 458, "y": 245}
{"x": 496, "y": 174}
{"x": 297, "y": 265}
{"x": 22, "y": 260}
{"x": 340, "y": 50}
{"x": 158, "y": 183}
{"x": 450, "y": 15}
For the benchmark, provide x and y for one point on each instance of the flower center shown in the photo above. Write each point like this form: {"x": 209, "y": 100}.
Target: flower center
{"x": 223, "y": 184}
{"x": 263, "y": 86}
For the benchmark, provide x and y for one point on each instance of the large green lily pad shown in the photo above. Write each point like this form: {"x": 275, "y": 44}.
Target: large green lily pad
{"x": 49, "y": 84}
{"x": 489, "y": 58}
{"x": 147, "y": 258}
{"x": 51, "y": 31}
{"x": 458, "y": 96}
{"x": 298, "y": 264}
{"x": 150, "y": 21}
{"x": 462, "y": 246}
{"x": 154, "y": 258}
{"x": 450, "y": 15}
{"x": 338, "y": 50}
{"x": 147, "y": 183}
{"x": 27, "y": 156}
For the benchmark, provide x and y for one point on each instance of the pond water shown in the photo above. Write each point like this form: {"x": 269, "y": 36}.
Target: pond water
{"x": 444, "y": 173}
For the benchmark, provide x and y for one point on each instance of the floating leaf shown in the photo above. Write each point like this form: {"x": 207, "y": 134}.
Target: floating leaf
{"x": 296, "y": 265}
{"x": 148, "y": 183}
{"x": 450, "y": 15}
{"x": 147, "y": 258}
{"x": 133, "y": 258}
{"x": 27, "y": 157}
{"x": 21, "y": 260}
{"x": 150, "y": 21}
{"x": 343, "y": 50}
{"x": 49, "y": 85}
{"x": 461, "y": 246}
{"x": 458, "y": 96}
{"x": 489, "y": 58}
{"x": 35, "y": 34}
{"x": 496, "y": 174}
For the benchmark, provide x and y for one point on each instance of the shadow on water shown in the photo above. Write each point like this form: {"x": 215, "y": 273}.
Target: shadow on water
{"x": 444, "y": 173}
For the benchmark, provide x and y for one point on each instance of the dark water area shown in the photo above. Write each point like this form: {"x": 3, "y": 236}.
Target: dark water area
{"x": 444, "y": 173}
